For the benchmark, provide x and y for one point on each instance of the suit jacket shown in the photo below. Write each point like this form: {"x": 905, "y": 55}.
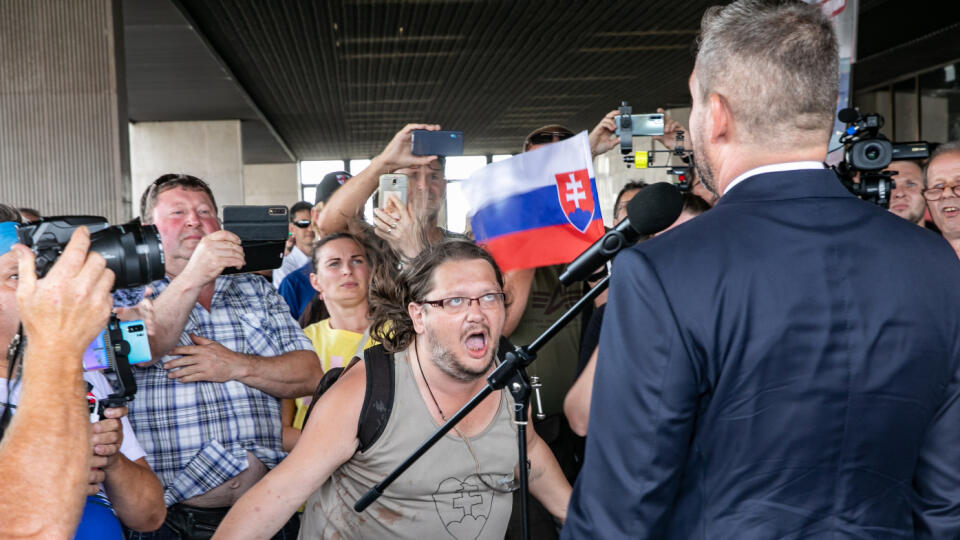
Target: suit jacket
{"x": 783, "y": 366}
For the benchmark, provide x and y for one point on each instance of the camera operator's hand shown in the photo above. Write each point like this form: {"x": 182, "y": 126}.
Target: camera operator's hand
{"x": 397, "y": 225}
{"x": 603, "y": 137}
{"x": 670, "y": 129}
{"x": 214, "y": 253}
{"x": 71, "y": 305}
{"x": 399, "y": 151}
{"x": 206, "y": 360}
{"x": 105, "y": 441}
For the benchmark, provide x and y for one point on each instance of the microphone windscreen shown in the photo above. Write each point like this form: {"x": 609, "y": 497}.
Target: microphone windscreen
{"x": 848, "y": 115}
{"x": 654, "y": 208}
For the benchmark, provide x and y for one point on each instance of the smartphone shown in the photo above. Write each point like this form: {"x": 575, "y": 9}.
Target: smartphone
{"x": 437, "y": 143}
{"x": 263, "y": 232}
{"x": 643, "y": 124}
{"x": 392, "y": 183}
{"x": 97, "y": 355}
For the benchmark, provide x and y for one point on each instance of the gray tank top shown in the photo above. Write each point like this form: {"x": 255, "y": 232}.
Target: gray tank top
{"x": 440, "y": 496}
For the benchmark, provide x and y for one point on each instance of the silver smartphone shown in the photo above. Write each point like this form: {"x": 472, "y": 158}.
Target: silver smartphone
{"x": 392, "y": 183}
{"x": 644, "y": 124}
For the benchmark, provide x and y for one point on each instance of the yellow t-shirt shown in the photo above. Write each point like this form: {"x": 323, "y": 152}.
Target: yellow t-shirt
{"x": 335, "y": 348}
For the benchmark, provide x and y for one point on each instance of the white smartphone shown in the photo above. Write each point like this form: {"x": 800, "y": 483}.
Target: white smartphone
{"x": 392, "y": 183}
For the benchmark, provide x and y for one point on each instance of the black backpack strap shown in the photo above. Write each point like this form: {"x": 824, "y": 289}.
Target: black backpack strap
{"x": 378, "y": 400}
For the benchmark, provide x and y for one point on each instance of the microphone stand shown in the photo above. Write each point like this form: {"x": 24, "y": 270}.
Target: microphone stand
{"x": 511, "y": 374}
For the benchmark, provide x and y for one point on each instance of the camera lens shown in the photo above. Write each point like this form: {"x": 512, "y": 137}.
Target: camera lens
{"x": 133, "y": 252}
{"x": 872, "y": 152}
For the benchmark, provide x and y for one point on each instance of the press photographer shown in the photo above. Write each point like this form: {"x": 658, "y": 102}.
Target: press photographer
{"x": 49, "y": 456}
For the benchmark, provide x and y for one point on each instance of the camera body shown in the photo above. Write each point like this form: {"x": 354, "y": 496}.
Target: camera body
{"x": 135, "y": 255}
{"x": 867, "y": 153}
{"x": 133, "y": 252}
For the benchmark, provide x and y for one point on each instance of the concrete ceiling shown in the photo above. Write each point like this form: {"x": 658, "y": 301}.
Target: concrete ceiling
{"x": 334, "y": 79}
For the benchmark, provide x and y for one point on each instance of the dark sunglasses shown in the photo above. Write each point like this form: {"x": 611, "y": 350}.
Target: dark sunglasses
{"x": 547, "y": 137}
{"x": 302, "y": 223}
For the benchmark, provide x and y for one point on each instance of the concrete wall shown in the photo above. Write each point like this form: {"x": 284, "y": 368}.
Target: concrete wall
{"x": 211, "y": 151}
{"x": 63, "y": 112}
{"x": 612, "y": 173}
{"x": 271, "y": 184}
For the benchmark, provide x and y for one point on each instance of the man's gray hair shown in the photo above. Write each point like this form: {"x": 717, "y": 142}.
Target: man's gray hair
{"x": 775, "y": 63}
{"x": 9, "y": 213}
{"x": 948, "y": 147}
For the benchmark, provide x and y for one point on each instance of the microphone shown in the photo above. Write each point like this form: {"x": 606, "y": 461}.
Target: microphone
{"x": 651, "y": 210}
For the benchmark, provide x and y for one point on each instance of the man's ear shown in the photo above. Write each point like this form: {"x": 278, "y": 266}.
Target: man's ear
{"x": 721, "y": 118}
{"x": 415, "y": 311}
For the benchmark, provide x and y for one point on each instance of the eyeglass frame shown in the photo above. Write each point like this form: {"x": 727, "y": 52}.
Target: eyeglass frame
{"x": 954, "y": 189}
{"x": 470, "y": 301}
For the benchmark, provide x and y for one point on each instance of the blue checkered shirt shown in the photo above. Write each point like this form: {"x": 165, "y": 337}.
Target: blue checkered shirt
{"x": 196, "y": 435}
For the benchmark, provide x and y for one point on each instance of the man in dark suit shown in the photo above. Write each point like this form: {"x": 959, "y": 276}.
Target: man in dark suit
{"x": 760, "y": 375}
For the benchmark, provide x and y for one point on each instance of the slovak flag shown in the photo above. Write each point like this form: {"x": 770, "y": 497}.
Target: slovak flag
{"x": 538, "y": 208}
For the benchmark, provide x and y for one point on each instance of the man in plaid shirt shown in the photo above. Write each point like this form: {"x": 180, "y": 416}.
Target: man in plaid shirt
{"x": 225, "y": 348}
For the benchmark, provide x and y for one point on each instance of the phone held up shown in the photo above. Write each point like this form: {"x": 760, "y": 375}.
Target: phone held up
{"x": 392, "y": 185}
{"x": 437, "y": 143}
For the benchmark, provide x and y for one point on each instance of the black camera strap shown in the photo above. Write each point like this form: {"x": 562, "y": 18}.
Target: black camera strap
{"x": 14, "y": 355}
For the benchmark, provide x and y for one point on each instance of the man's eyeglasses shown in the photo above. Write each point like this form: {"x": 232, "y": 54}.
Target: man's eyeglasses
{"x": 936, "y": 193}
{"x": 302, "y": 223}
{"x": 459, "y": 304}
{"x": 546, "y": 137}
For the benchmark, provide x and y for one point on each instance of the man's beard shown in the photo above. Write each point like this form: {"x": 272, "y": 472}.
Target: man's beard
{"x": 704, "y": 170}
{"x": 446, "y": 360}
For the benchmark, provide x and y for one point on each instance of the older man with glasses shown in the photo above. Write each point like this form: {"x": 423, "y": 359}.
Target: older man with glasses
{"x": 941, "y": 180}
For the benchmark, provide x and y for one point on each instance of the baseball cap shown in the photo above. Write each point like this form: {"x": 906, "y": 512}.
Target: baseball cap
{"x": 330, "y": 183}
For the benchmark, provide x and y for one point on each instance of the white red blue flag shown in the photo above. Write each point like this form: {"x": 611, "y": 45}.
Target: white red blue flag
{"x": 538, "y": 208}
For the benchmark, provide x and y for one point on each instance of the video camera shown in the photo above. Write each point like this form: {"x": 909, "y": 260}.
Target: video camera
{"x": 868, "y": 152}
{"x": 135, "y": 255}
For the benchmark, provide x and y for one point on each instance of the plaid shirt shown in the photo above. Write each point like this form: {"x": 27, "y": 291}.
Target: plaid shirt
{"x": 196, "y": 435}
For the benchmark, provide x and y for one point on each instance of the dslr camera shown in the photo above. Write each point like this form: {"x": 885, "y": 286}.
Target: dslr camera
{"x": 867, "y": 152}
{"x": 135, "y": 255}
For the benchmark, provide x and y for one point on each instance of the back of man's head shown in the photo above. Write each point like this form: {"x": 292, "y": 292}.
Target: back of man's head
{"x": 9, "y": 213}
{"x": 775, "y": 63}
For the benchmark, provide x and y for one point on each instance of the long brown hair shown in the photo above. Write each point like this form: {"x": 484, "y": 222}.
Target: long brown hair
{"x": 392, "y": 325}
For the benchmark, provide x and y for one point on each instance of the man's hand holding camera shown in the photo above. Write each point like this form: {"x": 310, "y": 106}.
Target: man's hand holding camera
{"x": 215, "y": 252}
{"x": 71, "y": 305}
{"x": 398, "y": 153}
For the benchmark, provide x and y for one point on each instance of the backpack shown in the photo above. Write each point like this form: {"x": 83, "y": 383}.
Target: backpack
{"x": 378, "y": 399}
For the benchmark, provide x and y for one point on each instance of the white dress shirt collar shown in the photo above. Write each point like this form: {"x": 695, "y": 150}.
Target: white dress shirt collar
{"x": 776, "y": 167}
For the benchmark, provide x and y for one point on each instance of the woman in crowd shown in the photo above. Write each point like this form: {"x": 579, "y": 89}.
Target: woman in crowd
{"x": 341, "y": 276}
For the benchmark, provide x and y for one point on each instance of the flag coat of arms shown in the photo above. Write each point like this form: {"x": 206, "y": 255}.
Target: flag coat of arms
{"x": 538, "y": 208}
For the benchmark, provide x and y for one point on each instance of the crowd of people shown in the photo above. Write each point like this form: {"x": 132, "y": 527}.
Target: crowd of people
{"x": 754, "y": 371}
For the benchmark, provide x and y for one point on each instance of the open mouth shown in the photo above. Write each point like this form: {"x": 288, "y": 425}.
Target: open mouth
{"x": 950, "y": 211}
{"x": 476, "y": 344}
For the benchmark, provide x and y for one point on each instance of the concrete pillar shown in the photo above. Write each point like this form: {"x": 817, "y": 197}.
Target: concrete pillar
{"x": 63, "y": 112}
{"x": 211, "y": 151}
{"x": 272, "y": 183}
